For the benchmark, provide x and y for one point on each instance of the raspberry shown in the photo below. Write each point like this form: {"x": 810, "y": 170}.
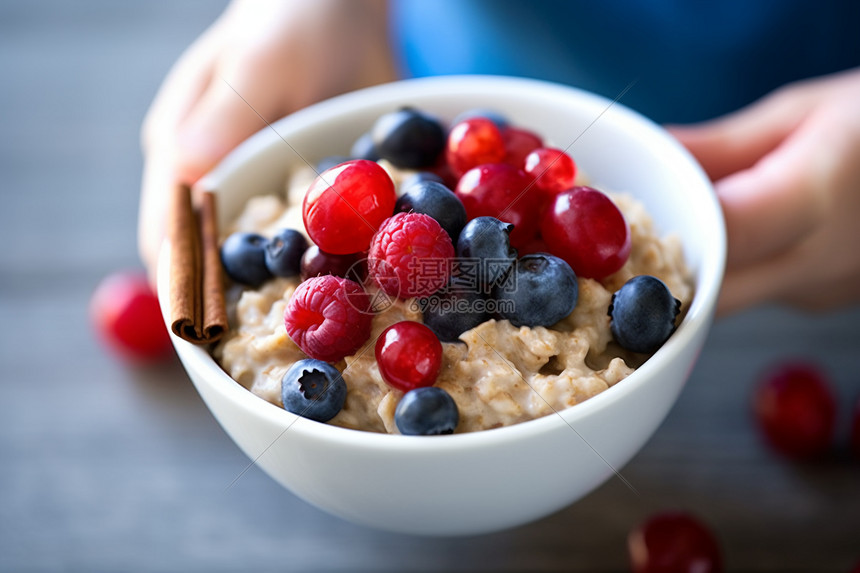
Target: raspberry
{"x": 328, "y": 317}
{"x": 410, "y": 256}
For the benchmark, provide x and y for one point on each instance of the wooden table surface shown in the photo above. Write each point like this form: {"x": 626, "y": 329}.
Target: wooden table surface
{"x": 105, "y": 467}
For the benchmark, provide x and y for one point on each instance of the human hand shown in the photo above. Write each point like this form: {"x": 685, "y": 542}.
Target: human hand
{"x": 259, "y": 61}
{"x": 787, "y": 174}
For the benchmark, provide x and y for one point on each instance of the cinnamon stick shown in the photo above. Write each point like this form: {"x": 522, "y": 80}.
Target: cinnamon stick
{"x": 198, "y": 311}
{"x": 214, "y": 306}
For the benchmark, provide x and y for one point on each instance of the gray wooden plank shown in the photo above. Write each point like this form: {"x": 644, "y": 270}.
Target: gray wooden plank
{"x": 109, "y": 468}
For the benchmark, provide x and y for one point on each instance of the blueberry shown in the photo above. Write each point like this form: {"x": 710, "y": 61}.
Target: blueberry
{"x": 434, "y": 199}
{"x": 418, "y": 177}
{"x": 495, "y": 116}
{"x": 313, "y": 389}
{"x": 408, "y": 138}
{"x": 485, "y": 244}
{"x": 643, "y": 313}
{"x": 364, "y": 148}
{"x": 243, "y": 256}
{"x": 426, "y": 411}
{"x": 284, "y": 253}
{"x": 541, "y": 291}
{"x": 454, "y": 310}
{"x": 329, "y": 162}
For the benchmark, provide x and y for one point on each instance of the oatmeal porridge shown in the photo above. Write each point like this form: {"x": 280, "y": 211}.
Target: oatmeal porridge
{"x": 497, "y": 373}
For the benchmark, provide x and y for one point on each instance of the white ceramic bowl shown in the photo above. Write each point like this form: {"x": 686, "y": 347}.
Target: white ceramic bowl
{"x": 483, "y": 481}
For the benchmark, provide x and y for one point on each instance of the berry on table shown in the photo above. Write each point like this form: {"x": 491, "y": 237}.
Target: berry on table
{"x": 485, "y": 253}
{"x": 284, "y": 253}
{"x": 328, "y": 317}
{"x": 673, "y": 542}
{"x": 553, "y": 169}
{"x": 313, "y": 389}
{"x": 500, "y": 190}
{"x": 474, "y": 142}
{"x": 408, "y": 138}
{"x": 796, "y": 410}
{"x": 518, "y": 144}
{"x": 541, "y": 291}
{"x": 585, "y": 228}
{"x": 434, "y": 199}
{"x": 643, "y": 313}
{"x": 345, "y": 205}
{"x": 410, "y": 256}
{"x": 427, "y": 411}
{"x": 243, "y": 256}
{"x": 125, "y": 313}
{"x": 409, "y": 355}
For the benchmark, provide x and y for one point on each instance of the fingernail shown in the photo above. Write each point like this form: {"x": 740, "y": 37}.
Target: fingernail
{"x": 197, "y": 153}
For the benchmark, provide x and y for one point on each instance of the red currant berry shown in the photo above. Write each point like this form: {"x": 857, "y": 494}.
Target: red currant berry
{"x": 585, "y": 228}
{"x": 518, "y": 144}
{"x": 126, "y": 314}
{"x": 500, "y": 190}
{"x": 673, "y": 542}
{"x": 409, "y": 355}
{"x": 345, "y": 205}
{"x": 796, "y": 410}
{"x": 553, "y": 170}
{"x": 473, "y": 142}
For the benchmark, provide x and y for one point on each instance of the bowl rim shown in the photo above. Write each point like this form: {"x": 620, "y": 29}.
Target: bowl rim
{"x": 698, "y": 316}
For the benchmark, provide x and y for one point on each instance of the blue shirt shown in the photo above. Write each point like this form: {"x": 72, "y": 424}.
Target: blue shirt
{"x": 690, "y": 60}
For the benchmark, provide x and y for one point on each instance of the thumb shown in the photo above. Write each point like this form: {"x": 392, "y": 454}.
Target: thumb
{"x": 226, "y": 114}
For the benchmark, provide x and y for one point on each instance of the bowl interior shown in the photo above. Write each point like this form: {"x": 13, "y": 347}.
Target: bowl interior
{"x": 618, "y": 149}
